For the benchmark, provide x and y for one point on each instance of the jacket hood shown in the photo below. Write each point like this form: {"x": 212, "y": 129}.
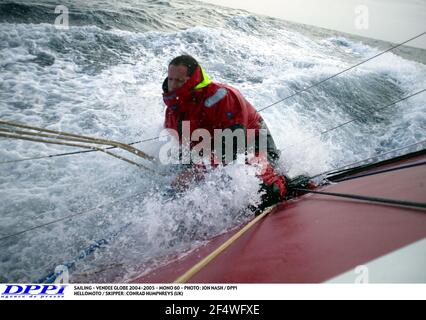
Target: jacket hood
{"x": 175, "y": 98}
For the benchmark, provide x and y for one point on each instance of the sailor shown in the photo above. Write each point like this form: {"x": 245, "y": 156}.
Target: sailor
{"x": 193, "y": 99}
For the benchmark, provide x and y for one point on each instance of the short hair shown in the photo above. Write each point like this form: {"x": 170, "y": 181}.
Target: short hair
{"x": 187, "y": 61}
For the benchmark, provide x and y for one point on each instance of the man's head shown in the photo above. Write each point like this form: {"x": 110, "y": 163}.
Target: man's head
{"x": 180, "y": 70}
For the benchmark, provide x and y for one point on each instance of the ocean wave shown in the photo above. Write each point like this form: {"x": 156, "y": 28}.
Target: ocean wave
{"x": 138, "y": 16}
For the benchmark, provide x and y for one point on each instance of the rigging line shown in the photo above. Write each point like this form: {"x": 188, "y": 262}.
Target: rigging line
{"x": 69, "y": 216}
{"x": 87, "y": 251}
{"x": 417, "y": 164}
{"x": 418, "y": 205}
{"x": 341, "y": 72}
{"x": 7, "y": 135}
{"x": 94, "y": 140}
{"x": 52, "y": 156}
{"x": 344, "y": 168}
{"x": 101, "y": 141}
{"x": 155, "y": 138}
{"x": 390, "y": 201}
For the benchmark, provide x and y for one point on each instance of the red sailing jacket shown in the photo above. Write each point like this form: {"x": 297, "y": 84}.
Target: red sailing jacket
{"x": 214, "y": 106}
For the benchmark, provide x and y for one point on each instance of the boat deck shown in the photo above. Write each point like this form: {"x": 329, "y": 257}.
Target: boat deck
{"x": 316, "y": 237}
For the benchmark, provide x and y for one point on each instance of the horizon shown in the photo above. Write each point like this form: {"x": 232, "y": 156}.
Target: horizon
{"x": 395, "y": 21}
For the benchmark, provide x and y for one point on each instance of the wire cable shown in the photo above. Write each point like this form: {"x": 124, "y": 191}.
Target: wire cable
{"x": 418, "y": 205}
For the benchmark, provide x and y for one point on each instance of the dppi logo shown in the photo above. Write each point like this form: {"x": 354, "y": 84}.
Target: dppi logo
{"x": 33, "y": 291}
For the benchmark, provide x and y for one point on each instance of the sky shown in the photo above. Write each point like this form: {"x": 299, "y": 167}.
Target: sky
{"x": 391, "y": 20}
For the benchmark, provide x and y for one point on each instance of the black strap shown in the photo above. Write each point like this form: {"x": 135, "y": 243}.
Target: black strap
{"x": 418, "y": 205}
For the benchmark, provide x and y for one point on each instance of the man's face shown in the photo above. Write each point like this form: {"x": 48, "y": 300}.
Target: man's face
{"x": 178, "y": 75}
